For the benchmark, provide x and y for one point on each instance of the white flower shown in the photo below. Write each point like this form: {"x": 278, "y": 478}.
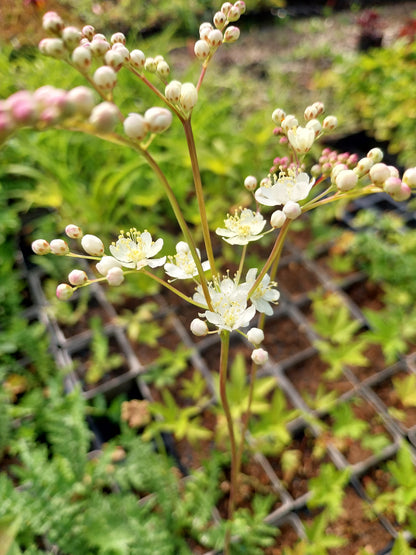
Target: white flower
{"x": 184, "y": 266}
{"x": 264, "y": 294}
{"x": 229, "y": 302}
{"x": 301, "y": 138}
{"x": 135, "y": 250}
{"x": 286, "y": 187}
{"x": 242, "y": 228}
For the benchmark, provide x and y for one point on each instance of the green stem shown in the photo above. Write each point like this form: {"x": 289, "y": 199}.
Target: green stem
{"x": 199, "y": 192}
{"x": 234, "y": 471}
{"x": 171, "y": 288}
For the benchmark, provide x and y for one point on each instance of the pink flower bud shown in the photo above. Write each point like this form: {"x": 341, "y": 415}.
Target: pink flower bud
{"x": 255, "y": 336}
{"x": 379, "y": 173}
{"x": 173, "y": 91}
{"x": 189, "y": 96}
{"x": 118, "y": 37}
{"x": 199, "y": 327}
{"x": 92, "y": 245}
{"x": 59, "y": 247}
{"x": 214, "y": 38}
{"x": 105, "y": 78}
{"x": 219, "y": 20}
{"x": 292, "y": 210}
{"x": 88, "y": 32}
{"x": 409, "y": 177}
{"x": 402, "y": 194}
{"x": 201, "y": 49}
{"x": 52, "y": 22}
{"x": 259, "y": 356}
{"x": 64, "y": 291}
{"x": 73, "y": 231}
{"x": 83, "y": 100}
{"x": 115, "y": 276}
{"x": 81, "y": 57}
{"x": 71, "y": 36}
{"x": 99, "y": 47}
{"x": 231, "y": 34}
{"x": 22, "y": 107}
{"x": 392, "y": 185}
{"x": 277, "y": 219}
{"x": 250, "y": 183}
{"x": 41, "y": 247}
{"x": 137, "y": 59}
{"x": 346, "y": 180}
{"x": 104, "y": 117}
{"x": 158, "y": 119}
{"x": 77, "y": 277}
{"x": 135, "y": 126}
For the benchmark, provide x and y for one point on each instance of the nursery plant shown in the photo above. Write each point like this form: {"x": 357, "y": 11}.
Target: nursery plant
{"x": 230, "y": 299}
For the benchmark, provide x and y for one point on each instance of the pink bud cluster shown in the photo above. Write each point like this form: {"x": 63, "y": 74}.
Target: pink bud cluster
{"x": 212, "y": 35}
{"x": 45, "y": 107}
{"x": 107, "y": 266}
{"x": 329, "y": 159}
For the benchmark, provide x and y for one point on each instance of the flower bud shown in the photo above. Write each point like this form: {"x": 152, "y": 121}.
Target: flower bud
{"x": 71, "y": 37}
{"x": 394, "y": 172}
{"x": 219, "y": 20}
{"x": 92, "y": 245}
{"x": 402, "y": 194}
{"x": 199, "y": 327}
{"x": 173, "y": 91}
{"x": 316, "y": 170}
{"x": 115, "y": 276}
{"x": 214, "y": 38}
{"x": 226, "y": 7}
{"x": 231, "y": 34}
{"x": 88, "y": 32}
{"x": 250, "y": 183}
{"x": 106, "y": 263}
{"x": 53, "y": 47}
{"x": 379, "y": 173}
{"x": 259, "y": 356}
{"x": 289, "y": 122}
{"x": 255, "y": 336}
{"x": 409, "y": 177}
{"x": 122, "y": 51}
{"x": 52, "y": 22}
{"x": 392, "y": 185}
{"x": 204, "y": 30}
{"x": 375, "y": 154}
{"x": 59, "y": 247}
{"x": 363, "y": 166}
{"x": 150, "y": 65}
{"x": 99, "y": 47}
{"x": 118, "y": 37}
{"x": 99, "y": 36}
{"x": 137, "y": 59}
{"x": 158, "y": 119}
{"x": 319, "y": 107}
{"x": 189, "y": 96}
{"x": 81, "y": 57}
{"x": 105, "y": 78}
{"x": 233, "y": 14}
{"x": 182, "y": 247}
{"x": 104, "y": 117}
{"x": 83, "y": 100}
{"x": 113, "y": 59}
{"x": 338, "y": 168}
{"x": 310, "y": 113}
{"x": 292, "y": 210}
{"x": 73, "y": 231}
{"x": 278, "y": 116}
{"x": 162, "y": 68}
{"x": 77, "y": 277}
{"x": 21, "y": 106}
{"x": 329, "y": 123}
{"x": 41, "y": 247}
{"x": 64, "y": 291}
{"x": 135, "y": 126}
{"x": 201, "y": 49}
{"x": 315, "y": 125}
{"x": 277, "y": 219}
{"x": 241, "y": 6}
{"x": 346, "y": 180}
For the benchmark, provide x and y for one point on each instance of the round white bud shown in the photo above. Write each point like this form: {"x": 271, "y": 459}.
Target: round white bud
{"x": 379, "y": 173}
{"x": 158, "y": 119}
{"x": 137, "y": 59}
{"x": 53, "y": 47}
{"x": 41, "y": 247}
{"x": 199, "y": 327}
{"x": 59, "y": 247}
{"x": 77, "y": 277}
{"x": 241, "y": 6}
{"x": 73, "y": 231}
{"x": 105, "y": 78}
{"x": 376, "y": 154}
{"x": 64, "y": 291}
{"x": 104, "y": 117}
{"x": 277, "y": 219}
{"x": 226, "y": 7}
{"x": 319, "y": 107}
{"x": 82, "y": 99}
{"x": 346, "y": 180}
{"x": 201, "y": 49}
{"x": 99, "y": 47}
{"x": 292, "y": 210}
{"x": 231, "y": 34}
{"x": 115, "y": 276}
{"x": 255, "y": 336}
{"x": 409, "y": 177}
{"x": 219, "y": 20}
{"x": 135, "y": 126}
{"x": 118, "y": 38}
{"x": 163, "y": 68}
{"x": 402, "y": 194}
{"x": 289, "y": 122}
{"x": 114, "y": 59}
{"x": 259, "y": 356}
{"x": 392, "y": 185}
{"x": 363, "y": 166}
{"x": 329, "y": 123}
{"x": 233, "y": 14}
{"x": 204, "y": 30}
{"x": 92, "y": 245}
{"x": 173, "y": 91}
{"x": 315, "y": 125}
{"x": 189, "y": 96}
{"x": 182, "y": 247}
{"x": 150, "y": 65}
{"x": 52, "y": 22}
{"x": 214, "y": 38}
{"x": 88, "y": 32}
{"x": 81, "y": 57}
{"x": 278, "y": 116}
{"x": 71, "y": 36}
{"x": 250, "y": 183}
{"x": 106, "y": 263}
